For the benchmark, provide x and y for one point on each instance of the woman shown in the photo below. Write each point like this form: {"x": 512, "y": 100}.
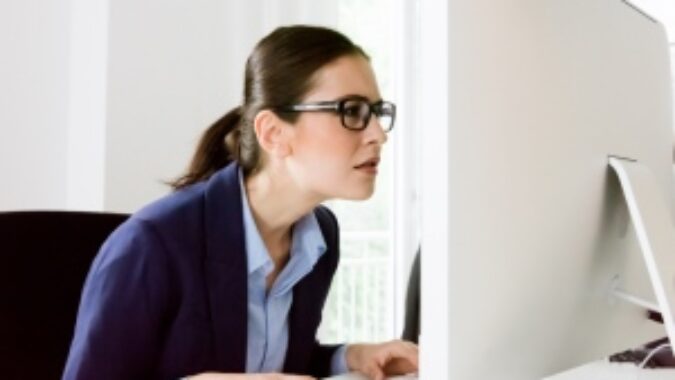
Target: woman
{"x": 228, "y": 274}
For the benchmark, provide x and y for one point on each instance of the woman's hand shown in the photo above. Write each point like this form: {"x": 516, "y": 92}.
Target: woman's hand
{"x": 248, "y": 376}
{"x": 385, "y": 359}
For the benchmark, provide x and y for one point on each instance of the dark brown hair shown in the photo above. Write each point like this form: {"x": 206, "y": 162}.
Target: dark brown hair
{"x": 279, "y": 72}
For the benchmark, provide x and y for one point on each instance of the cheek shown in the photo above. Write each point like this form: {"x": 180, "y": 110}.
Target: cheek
{"x": 325, "y": 160}
{"x": 330, "y": 157}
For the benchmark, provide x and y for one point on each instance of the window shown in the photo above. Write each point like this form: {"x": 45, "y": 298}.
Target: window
{"x": 367, "y": 292}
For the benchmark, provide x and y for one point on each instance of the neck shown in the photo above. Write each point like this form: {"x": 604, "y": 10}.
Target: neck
{"x": 277, "y": 203}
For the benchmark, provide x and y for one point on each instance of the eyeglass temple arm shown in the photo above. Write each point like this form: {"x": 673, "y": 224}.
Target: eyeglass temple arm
{"x": 312, "y": 107}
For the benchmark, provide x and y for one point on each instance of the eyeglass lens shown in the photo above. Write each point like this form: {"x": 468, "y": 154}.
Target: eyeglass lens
{"x": 356, "y": 114}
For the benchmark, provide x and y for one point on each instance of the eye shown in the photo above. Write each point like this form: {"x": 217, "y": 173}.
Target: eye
{"x": 353, "y": 108}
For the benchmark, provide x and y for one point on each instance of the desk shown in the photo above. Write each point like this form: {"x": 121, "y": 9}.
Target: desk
{"x": 355, "y": 376}
{"x": 599, "y": 370}
{"x": 602, "y": 369}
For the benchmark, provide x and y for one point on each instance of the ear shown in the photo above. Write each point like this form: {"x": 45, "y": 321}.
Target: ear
{"x": 271, "y": 133}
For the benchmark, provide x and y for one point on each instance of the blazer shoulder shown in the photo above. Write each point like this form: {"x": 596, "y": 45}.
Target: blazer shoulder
{"x": 329, "y": 227}
{"x": 327, "y": 219}
{"x": 175, "y": 204}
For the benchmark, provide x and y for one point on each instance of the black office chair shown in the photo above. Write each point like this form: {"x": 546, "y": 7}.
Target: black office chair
{"x": 411, "y": 328}
{"x": 44, "y": 259}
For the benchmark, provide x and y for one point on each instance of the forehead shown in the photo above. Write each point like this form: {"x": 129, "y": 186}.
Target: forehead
{"x": 349, "y": 75}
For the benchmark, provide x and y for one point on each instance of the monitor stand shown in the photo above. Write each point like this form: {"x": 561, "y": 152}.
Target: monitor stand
{"x": 656, "y": 235}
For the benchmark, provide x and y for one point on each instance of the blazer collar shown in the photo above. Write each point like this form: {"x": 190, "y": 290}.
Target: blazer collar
{"x": 223, "y": 211}
{"x": 225, "y": 268}
{"x": 226, "y": 280}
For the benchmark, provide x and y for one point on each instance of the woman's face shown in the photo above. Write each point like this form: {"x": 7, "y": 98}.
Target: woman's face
{"x": 328, "y": 159}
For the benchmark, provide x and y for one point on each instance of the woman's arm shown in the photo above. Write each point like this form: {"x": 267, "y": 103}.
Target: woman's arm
{"x": 252, "y": 376}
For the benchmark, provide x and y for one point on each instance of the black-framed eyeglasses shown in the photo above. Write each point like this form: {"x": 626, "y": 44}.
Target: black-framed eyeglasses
{"x": 355, "y": 112}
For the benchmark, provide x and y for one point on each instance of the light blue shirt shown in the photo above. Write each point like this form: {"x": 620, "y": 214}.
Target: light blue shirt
{"x": 268, "y": 312}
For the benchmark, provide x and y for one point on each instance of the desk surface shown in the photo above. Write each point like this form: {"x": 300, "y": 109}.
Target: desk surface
{"x": 592, "y": 371}
{"x": 355, "y": 376}
{"x": 616, "y": 371}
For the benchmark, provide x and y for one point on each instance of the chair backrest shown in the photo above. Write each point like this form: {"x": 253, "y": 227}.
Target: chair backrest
{"x": 411, "y": 328}
{"x": 44, "y": 259}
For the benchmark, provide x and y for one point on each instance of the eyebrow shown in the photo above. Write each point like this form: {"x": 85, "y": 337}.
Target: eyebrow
{"x": 357, "y": 96}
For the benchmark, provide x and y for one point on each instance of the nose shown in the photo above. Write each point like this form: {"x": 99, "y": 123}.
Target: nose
{"x": 374, "y": 133}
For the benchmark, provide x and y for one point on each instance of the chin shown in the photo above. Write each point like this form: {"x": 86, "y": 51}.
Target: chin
{"x": 359, "y": 195}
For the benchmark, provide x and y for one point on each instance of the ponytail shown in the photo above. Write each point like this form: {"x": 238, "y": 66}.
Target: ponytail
{"x": 218, "y": 147}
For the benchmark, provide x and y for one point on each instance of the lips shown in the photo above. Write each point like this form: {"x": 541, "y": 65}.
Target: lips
{"x": 369, "y": 163}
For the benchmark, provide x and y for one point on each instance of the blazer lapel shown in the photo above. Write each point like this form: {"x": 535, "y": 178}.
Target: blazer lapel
{"x": 225, "y": 268}
{"x": 309, "y": 297}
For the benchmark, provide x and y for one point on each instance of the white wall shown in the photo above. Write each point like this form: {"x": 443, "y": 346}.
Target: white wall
{"x": 33, "y": 103}
{"x": 662, "y": 10}
{"x": 104, "y": 100}
{"x": 88, "y": 46}
{"x": 175, "y": 67}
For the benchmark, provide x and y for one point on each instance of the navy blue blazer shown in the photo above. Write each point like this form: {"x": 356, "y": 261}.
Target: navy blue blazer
{"x": 166, "y": 296}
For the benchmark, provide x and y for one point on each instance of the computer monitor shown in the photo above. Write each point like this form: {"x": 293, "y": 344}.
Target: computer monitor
{"x": 526, "y": 228}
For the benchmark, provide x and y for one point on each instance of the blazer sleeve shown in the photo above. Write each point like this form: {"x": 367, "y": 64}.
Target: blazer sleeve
{"x": 322, "y": 359}
{"x": 120, "y": 318}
